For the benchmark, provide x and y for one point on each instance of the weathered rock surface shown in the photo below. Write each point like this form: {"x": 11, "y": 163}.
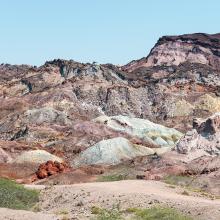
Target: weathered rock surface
{"x": 177, "y": 72}
{"x": 142, "y": 128}
{"x": 174, "y": 50}
{"x": 205, "y": 136}
{"x": 17, "y": 171}
{"x": 114, "y": 151}
{"x": 205, "y": 165}
{"x": 46, "y": 115}
{"x": 201, "y": 173}
{"x": 36, "y": 156}
{"x": 167, "y": 94}
{"x": 51, "y": 168}
{"x": 4, "y": 157}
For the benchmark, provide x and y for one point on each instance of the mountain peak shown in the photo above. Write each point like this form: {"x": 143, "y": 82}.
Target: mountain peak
{"x": 173, "y": 50}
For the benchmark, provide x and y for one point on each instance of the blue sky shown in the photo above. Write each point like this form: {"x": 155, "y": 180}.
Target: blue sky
{"x": 115, "y": 31}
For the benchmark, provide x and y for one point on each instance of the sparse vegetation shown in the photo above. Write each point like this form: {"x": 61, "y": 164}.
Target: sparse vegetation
{"x": 36, "y": 208}
{"x": 171, "y": 186}
{"x": 104, "y": 214}
{"x": 186, "y": 182}
{"x": 62, "y": 212}
{"x": 158, "y": 213}
{"x": 154, "y": 213}
{"x": 203, "y": 193}
{"x": 15, "y": 196}
{"x": 113, "y": 177}
{"x": 178, "y": 180}
{"x": 95, "y": 210}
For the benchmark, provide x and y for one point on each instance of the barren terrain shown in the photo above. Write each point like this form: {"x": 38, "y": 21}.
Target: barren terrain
{"x": 78, "y": 199}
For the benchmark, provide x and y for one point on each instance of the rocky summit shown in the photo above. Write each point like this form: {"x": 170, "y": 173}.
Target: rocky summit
{"x": 156, "y": 118}
{"x": 174, "y": 50}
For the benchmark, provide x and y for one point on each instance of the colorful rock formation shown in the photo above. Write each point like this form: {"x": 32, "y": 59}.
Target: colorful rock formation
{"x": 51, "y": 168}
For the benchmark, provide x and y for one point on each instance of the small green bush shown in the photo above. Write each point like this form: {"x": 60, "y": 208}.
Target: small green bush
{"x": 107, "y": 214}
{"x": 15, "y": 196}
{"x": 96, "y": 210}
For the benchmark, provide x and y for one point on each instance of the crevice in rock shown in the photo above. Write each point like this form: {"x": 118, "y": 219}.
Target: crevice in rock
{"x": 20, "y": 133}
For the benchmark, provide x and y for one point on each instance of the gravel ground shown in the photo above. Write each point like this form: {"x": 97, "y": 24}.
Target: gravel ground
{"x": 75, "y": 201}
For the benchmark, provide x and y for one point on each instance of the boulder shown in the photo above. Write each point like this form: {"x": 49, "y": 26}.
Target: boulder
{"x": 51, "y": 168}
{"x": 36, "y": 156}
{"x": 114, "y": 151}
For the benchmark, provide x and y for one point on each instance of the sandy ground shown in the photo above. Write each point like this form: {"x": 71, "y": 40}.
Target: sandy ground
{"x": 8, "y": 214}
{"x": 75, "y": 201}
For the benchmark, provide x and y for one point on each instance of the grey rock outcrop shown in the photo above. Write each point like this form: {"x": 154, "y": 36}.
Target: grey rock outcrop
{"x": 205, "y": 136}
{"x": 154, "y": 133}
{"x": 46, "y": 115}
{"x": 114, "y": 151}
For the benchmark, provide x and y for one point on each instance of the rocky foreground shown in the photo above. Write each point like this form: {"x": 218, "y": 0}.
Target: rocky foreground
{"x": 67, "y": 122}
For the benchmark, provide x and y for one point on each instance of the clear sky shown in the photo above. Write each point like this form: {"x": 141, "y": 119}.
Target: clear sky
{"x": 115, "y": 31}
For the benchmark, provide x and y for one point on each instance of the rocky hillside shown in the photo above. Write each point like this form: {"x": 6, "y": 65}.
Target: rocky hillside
{"x": 174, "y": 50}
{"x": 72, "y": 109}
{"x": 181, "y": 83}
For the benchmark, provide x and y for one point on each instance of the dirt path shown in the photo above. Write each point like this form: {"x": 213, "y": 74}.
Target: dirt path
{"x": 75, "y": 201}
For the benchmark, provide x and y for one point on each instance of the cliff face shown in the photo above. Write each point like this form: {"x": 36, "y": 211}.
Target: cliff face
{"x": 174, "y": 50}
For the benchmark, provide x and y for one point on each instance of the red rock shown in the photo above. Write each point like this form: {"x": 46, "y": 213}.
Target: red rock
{"x": 41, "y": 174}
{"x": 52, "y": 171}
{"x": 51, "y": 168}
